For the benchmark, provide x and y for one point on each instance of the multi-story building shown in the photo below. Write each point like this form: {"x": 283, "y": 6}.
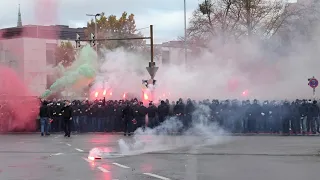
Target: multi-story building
{"x": 30, "y": 49}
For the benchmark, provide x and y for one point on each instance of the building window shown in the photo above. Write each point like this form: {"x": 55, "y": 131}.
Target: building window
{"x": 50, "y": 57}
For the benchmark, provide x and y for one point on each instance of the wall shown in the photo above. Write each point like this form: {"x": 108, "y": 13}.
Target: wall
{"x": 35, "y": 71}
{"x": 12, "y": 54}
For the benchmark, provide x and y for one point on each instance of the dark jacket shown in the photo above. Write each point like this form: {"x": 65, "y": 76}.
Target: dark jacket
{"x": 66, "y": 112}
{"x": 44, "y": 111}
{"x": 128, "y": 113}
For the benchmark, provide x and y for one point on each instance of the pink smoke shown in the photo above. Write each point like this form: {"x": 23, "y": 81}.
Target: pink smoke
{"x": 19, "y": 108}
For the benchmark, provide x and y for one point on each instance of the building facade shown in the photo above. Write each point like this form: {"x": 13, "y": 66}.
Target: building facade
{"x": 173, "y": 52}
{"x": 30, "y": 51}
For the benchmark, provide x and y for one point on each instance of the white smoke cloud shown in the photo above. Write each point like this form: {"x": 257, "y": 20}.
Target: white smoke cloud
{"x": 263, "y": 69}
{"x": 200, "y": 133}
{"x": 169, "y": 135}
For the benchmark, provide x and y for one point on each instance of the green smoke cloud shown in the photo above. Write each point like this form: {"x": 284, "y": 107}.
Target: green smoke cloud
{"x": 84, "y": 67}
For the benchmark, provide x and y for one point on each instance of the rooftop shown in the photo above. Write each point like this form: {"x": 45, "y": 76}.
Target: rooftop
{"x": 45, "y": 32}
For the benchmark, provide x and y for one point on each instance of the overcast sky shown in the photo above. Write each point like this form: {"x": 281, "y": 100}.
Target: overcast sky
{"x": 165, "y": 15}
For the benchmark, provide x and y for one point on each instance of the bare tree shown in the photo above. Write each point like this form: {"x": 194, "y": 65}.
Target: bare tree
{"x": 214, "y": 18}
{"x": 304, "y": 19}
{"x": 235, "y": 19}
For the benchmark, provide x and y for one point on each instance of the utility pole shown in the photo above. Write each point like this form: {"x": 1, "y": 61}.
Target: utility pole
{"x": 152, "y": 69}
{"x": 96, "y": 26}
{"x": 185, "y": 33}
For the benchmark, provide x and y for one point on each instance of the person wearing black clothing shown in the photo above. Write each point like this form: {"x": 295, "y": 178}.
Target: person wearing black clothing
{"x": 152, "y": 113}
{"x": 254, "y": 113}
{"x": 286, "y": 116}
{"x": 67, "y": 118}
{"x": 190, "y": 108}
{"x": 142, "y": 111}
{"x": 163, "y": 111}
{"x": 44, "y": 118}
{"x": 128, "y": 117}
{"x": 313, "y": 114}
{"x": 135, "y": 108}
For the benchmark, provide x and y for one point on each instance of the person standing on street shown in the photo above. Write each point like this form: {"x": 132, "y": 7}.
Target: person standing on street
{"x": 67, "y": 118}
{"x": 128, "y": 119}
{"x": 44, "y": 118}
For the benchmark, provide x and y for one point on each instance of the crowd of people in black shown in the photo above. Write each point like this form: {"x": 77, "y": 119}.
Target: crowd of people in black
{"x": 298, "y": 117}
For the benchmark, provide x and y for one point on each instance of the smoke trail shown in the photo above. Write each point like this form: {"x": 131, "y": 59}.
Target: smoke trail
{"x": 79, "y": 75}
{"x": 123, "y": 71}
{"x": 18, "y": 106}
{"x": 201, "y": 132}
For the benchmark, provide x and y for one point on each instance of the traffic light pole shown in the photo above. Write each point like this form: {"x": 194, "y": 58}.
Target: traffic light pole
{"x": 314, "y": 93}
{"x": 152, "y": 69}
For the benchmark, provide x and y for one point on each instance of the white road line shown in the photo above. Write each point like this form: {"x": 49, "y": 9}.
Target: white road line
{"x": 56, "y": 154}
{"x": 120, "y": 165}
{"x": 156, "y": 176}
{"x": 80, "y": 150}
{"x": 86, "y": 159}
{"x": 68, "y": 144}
{"x": 103, "y": 169}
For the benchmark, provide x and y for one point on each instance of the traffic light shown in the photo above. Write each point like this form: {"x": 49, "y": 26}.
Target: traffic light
{"x": 78, "y": 44}
{"x": 145, "y": 83}
{"x": 93, "y": 40}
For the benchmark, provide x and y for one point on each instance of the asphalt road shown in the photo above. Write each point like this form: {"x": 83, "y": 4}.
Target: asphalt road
{"x": 245, "y": 157}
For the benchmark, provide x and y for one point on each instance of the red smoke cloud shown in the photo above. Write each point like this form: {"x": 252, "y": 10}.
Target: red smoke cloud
{"x": 19, "y": 108}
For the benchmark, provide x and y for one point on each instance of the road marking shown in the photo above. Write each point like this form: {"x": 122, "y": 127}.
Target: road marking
{"x": 156, "y": 176}
{"x": 86, "y": 159}
{"x": 103, "y": 169}
{"x": 120, "y": 165}
{"x": 80, "y": 150}
{"x": 68, "y": 144}
{"x": 56, "y": 154}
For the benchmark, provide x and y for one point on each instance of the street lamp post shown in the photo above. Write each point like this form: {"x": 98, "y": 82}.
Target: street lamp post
{"x": 96, "y": 26}
{"x": 185, "y": 32}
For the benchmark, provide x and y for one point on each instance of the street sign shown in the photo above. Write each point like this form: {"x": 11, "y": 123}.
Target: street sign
{"x": 313, "y": 83}
{"x": 152, "y": 71}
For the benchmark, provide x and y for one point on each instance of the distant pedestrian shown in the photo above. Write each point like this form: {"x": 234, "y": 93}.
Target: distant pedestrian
{"x": 67, "y": 118}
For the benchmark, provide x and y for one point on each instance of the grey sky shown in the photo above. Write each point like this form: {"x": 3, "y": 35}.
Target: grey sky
{"x": 165, "y": 15}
